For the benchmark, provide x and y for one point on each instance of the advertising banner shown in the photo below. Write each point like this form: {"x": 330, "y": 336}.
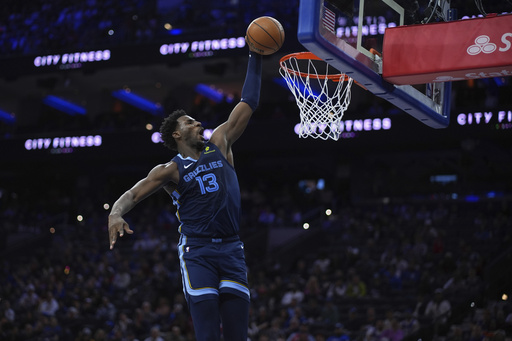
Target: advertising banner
{"x": 448, "y": 51}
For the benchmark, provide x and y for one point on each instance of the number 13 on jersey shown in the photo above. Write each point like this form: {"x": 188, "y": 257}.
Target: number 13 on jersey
{"x": 208, "y": 183}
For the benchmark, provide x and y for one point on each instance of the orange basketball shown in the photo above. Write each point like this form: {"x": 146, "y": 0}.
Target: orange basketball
{"x": 265, "y": 35}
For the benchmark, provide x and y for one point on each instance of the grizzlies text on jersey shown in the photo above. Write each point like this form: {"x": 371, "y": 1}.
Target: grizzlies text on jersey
{"x": 207, "y": 207}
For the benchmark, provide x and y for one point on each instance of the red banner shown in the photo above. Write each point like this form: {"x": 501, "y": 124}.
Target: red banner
{"x": 448, "y": 51}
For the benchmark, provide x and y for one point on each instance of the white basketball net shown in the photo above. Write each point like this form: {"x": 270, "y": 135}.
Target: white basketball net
{"x": 321, "y": 101}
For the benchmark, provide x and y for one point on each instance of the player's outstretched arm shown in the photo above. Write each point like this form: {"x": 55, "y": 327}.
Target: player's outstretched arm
{"x": 227, "y": 133}
{"x": 157, "y": 178}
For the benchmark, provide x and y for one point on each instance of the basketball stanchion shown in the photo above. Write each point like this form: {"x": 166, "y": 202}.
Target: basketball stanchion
{"x": 322, "y": 94}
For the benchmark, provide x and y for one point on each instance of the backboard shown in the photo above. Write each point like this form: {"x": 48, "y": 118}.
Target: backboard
{"x": 345, "y": 34}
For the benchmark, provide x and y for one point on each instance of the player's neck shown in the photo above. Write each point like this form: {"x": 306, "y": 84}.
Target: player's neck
{"x": 190, "y": 151}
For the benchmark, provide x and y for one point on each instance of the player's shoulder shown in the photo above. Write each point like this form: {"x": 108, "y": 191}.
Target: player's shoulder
{"x": 165, "y": 172}
{"x": 165, "y": 168}
{"x": 171, "y": 165}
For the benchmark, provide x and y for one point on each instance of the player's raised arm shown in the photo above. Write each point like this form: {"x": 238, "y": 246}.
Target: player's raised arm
{"x": 157, "y": 178}
{"x": 227, "y": 133}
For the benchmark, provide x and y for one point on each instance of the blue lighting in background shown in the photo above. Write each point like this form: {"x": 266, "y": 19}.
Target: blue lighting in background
{"x": 175, "y": 32}
{"x": 7, "y": 118}
{"x": 495, "y": 194}
{"x": 472, "y": 198}
{"x": 282, "y": 82}
{"x": 138, "y": 102}
{"x": 499, "y": 81}
{"x": 320, "y": 184}
{"x": 64, "y": 106}
{"x": 210, "y": 93}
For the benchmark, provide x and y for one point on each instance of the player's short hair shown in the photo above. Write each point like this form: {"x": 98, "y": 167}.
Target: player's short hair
{"x": 169, "y": 126}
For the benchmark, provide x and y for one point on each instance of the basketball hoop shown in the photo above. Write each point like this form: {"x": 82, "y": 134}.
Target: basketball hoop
{"x": 322, "y": 96}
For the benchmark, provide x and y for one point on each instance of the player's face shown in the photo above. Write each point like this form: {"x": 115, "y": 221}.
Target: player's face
{"x": 191, "y": 131}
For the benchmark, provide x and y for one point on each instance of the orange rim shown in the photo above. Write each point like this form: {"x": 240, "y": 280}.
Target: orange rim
{"x": 339, "y": 77}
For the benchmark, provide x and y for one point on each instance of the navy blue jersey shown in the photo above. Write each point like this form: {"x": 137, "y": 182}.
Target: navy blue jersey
{"x": 207, "y": 196}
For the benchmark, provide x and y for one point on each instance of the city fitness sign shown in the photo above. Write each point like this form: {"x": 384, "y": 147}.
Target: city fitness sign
{"x": 503, "y": 118}
{"x": 72, "y": 58}
{"x": 196, "y": 46}
{"x": 65, "y": 143}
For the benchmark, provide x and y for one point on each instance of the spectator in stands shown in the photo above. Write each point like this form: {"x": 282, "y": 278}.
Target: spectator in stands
{"x": 303, "y": 334}
{"x": 390, "y": 315}
{"x": 106, "y": 311}
{"x": 176, "y": 334}
{"x": 330, "y": 312}
{"x": 312, "y": 288}
{"x": 356, "y": 287}
{"x": 392, "y": 276}
{"x": 258, "y": 321}
{"x": 337, "y": 289}
{"x": 122, "y": 278}
{"x": 421, "y": 305}
{"x": 275, "y": 332}
{"x": 322, "y": 262}
{"x": 48, "y": 305}
{"x": 29, "y": 299}
{"x": 477, "y": 333}
{"x": 394, "y": 332}
{"x": 374, "y": 333}
{"x": 371, "y": 317}
{"x": 101, "y": 335}
{"x": 154, "y": 334}
{"x": 438, "y": 308}
{"x": 474, "y": 281}
{"x": 293, "y": 295}
{"x": 293, "y": 326}
{"x": 339, "y": 333}
{"x": 8, "y": 313}
{"x": 455, "y": 333}
{"x": 409, "y": 324}
{"x": 354, "y": 322}
{"x": 123, "y": 323}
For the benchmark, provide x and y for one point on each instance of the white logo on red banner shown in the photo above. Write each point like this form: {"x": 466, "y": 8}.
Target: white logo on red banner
{"x": 482, "y": 44}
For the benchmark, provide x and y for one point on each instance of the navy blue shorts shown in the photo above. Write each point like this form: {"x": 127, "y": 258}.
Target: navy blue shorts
{"x": 212, "y": 266}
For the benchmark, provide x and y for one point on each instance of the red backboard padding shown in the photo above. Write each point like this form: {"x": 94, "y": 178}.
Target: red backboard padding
{"x": 448, "y": 51}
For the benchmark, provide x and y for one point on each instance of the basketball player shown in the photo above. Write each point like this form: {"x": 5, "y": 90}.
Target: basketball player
{"x": 203, "y": 184}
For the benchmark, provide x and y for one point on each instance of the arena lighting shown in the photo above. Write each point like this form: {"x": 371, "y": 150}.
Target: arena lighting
{"x": 215, "y": 95}
{"x": 376, "y": 26}
{"x": 139, "y": 102}
{"x": 63, "y": 105}
{"x": 7, "y": 118}
{"x": 349, "y": 128}
{"x": 484, "y": 117}
{"x": 175, "y": 31}
{"x": 67, "y": 142}
{"x": 499, "y": 81}
{"x": 72, "y": 58}
{"x": 472, "y": 198}
{"x": 157, "y": 138}
{"x": 209, "y": 45}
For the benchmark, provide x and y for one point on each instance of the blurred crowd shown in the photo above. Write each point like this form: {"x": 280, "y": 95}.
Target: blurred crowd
{"x": 39, "y": 26}
{"x": 371, "y": 272}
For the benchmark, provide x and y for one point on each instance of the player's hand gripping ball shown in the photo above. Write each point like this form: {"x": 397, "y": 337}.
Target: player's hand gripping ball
{"x": 265, "y": 35}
